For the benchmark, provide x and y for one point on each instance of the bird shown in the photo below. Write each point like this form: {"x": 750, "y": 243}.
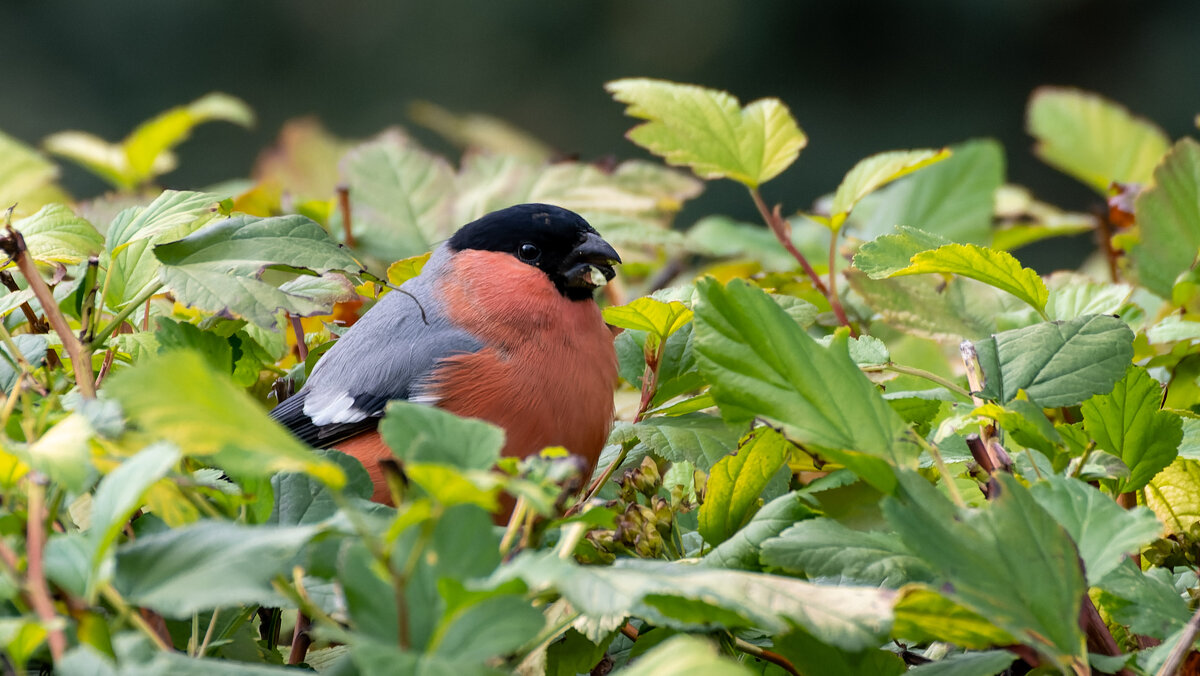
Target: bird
{"x": 500, "y": 325}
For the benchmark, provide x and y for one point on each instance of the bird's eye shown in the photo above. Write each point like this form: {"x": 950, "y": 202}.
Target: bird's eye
{"x": 529, "y": 252}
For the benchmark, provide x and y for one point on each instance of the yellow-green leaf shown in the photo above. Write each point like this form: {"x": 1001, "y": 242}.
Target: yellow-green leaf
{"x": 26, "y": 178}
{"x": 176, "y": 396}
{"x": 406, "y": 268}
{"x": 1093, "y": 139}
{"x": 650, "y": 315}
{"x": 1174, "y": 495}
{"x": 146, "y": 144}
{"x": 707, "y": 130}
{"x": 923, "y": 615}
{"x": 736, "y": 483}
{"x": 93, "y": 153}
{"x": 875, "y": 172}
{"x": 56, "y": 235}
{"x": 995, "y": 268}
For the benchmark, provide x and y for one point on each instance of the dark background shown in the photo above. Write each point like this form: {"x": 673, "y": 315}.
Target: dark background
{"x": 860, "y": 77}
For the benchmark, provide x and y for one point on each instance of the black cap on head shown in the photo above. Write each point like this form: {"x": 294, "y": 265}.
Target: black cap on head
{"x": 555, "y": 240}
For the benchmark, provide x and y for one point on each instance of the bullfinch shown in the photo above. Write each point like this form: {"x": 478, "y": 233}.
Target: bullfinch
{"x": 500, "y": 325}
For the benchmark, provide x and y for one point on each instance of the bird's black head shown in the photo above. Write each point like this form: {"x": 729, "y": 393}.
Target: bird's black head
{"x": 557, "y": 241}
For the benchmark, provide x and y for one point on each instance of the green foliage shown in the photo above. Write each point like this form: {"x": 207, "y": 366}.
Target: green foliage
{"x": 797, "y": 469}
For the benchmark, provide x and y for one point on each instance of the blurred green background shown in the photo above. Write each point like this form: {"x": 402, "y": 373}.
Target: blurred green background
{"x": 860, "y": 77}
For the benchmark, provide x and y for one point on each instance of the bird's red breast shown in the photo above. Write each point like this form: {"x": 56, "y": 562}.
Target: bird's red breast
{"x": 546, "y": 376}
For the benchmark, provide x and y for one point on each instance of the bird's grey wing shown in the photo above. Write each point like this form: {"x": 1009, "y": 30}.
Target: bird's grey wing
{"x": 386, "y": 355}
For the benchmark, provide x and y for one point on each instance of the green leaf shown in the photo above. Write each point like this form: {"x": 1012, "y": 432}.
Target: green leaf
{"x": 209, "y": 565}
{"x": 1092, "y": 138}
{"x": 988, "y": 663}
{"x": 742, "y": 550}
{"x": 56, "y": 235}
{"x": 697, "y": 438}
{"x": 1145, "y": 601}
{"x": 424, "y": 434}
{"x": 953, "y": 198}
{"x": 923, "y": 615}
{"x": 32, "y": 346}
{"x": 132, "y": 267}
{"x": 1104, "y": 532}
{"x": 736, "y": 482}
{"x": 26, "y": 178}
{"x": 64, "y": 453}
{"x": 401, "y": 196}
{"x": 1174, "y": 495}
{"x": 811, "y": 656}
{"x": 492, "y": 627}
{"x": 118, "y": 496}
{"x": 1127, "y": 422}
{"x": 219, "y": 268}
{"x": 761, "y": 363}
{"x": 211, "y": 418}
{"x": 1056, "y": 363}
{"x": 1074, "y": 295}
{"x": 924, "y": 306}
{"x": 887, "y": 255}
{"x": 694, "y": 597}
{"x": 707, "y": 130}
{"x": 683, "y": 656}
{"x": 300, "y": 500}
{"x": 1010, "y": 562}
{"x": 651, "y": 315}
{"x": 992, "y": 267}
{"x": 723, "y": 237}
{"x": 825, "y": 549}
{"x": 873, "y": 173}
{"x": 1168, "y": 217}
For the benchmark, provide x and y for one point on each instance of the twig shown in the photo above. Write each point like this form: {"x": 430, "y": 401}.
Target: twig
{"x": 131, "y": 307}
{"x": 765, "y": 655}
{"x": 136, "y": 619}
{"x": 920, "y": 373}
{"x": 514, "y": 526}
{"x": 13, "y": 244}
{"x": 300, "y": 640}
{"x": 36, "y": 323}
{"x": 934, "y": 453}
{"x": 599, "y": 482}
{"x": 39, "y": 590}
{"x": 208, "y": 634}
{"x": 344, "y": 204}
{"x": 1099, "y": 639}
{"x": 298, "y": 330}
{"x": 1181, "y": 649}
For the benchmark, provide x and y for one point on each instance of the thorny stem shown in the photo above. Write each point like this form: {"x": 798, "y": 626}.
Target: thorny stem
{"x": 782, "y": 231}
{"x": 39, "y": 590}
{"x": 920, "y": 373}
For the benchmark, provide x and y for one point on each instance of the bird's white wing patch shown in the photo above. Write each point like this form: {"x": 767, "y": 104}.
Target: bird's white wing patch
{"x": 334, "y": 408}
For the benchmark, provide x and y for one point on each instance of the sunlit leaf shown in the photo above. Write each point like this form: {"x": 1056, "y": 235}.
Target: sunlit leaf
{"x": 156, "y": 136}
{"x": 736, "y": 482}
{"x": 1093, "y": 139}
{"x": 707, "y": 130}
{"x": 26, "y": 178}
{"x": 742, "y": 550}
{"x": 923, "y": 615}
{"x": 653, "y": 316}
{"x": 1168, "y": 216}
{"x": 56, "y": 235}
{"x": 406, "y": 268}
{"x": 992, "y": 267}
{"x": 874, "y": 172}
{"x": 1174, "y": 495}
{"x": 888, "y": 254}
{"x": 473, "y": 131}
{"x": 423, "y": 434}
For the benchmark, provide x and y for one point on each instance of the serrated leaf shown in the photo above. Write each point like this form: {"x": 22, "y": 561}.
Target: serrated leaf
{"x": 707, "y": 130}
{"x": 698, "y": 438}
{"x": 131, "y": 237}
{"x": 423, "y": 434}
{"x": 401, "y": 197}
{"x": 873, "y": 173}
{"x": 1056, "y": 363}
{"x": 923, "y": 306}
{"x": 992, "y": 267}
{"x": 406, "y": 268}
{"x": 736, "y": 482}
{"x": 1104, "y": 532}
{"x": 826, "y": 550}
{"x": 691, "y": 597}
{"x": 56, "y": 235}
{"x": 761, "y": 363}
{"x": 1174, "y": 495}
{"x": 211, "y": 418}
{"x": 651, "y": 315}
{"x": 953, "y": 198}
{"x": 1093, "y": 139}
{"x": 1128, "y": 423}
{"x": 1146, "y": 601}
{"x": 742, "y": 550}
{"x": 988, "y": 663}
{"x": 887, "y": 255}
{"x": 864, "y": 350}
{"x": 219, "y": 267}
{"x": 211, "y": 564}
{"x": 1074, "y": 295}
{"x": 1009, "y": 562}
{"x": 1168, "y": 217}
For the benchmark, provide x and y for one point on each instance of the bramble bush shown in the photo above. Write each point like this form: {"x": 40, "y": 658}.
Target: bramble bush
{"x": 863, "y": 439}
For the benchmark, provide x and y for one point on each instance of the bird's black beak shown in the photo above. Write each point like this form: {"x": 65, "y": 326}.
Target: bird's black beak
{"x": 592, "y": 256}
